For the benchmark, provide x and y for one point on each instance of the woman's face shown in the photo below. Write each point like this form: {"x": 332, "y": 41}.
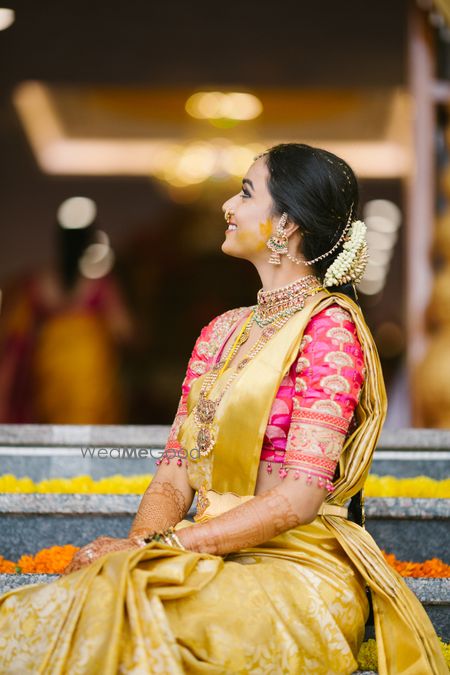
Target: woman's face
{"x": 251, "y": 223}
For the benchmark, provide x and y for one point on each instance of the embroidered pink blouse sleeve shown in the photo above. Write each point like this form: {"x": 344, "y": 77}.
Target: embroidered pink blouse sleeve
{"x": 325, "y": 384}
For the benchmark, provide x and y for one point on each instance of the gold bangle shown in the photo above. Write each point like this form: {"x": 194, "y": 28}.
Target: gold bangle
{"x": 167, "y": 536}
{"x": 177, "y": 541}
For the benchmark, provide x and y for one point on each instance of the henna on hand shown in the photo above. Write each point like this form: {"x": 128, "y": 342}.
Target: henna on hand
{"x": 96, "y": 549}
{"x": 162, "y": 506}
{"x": 249, "y": 524}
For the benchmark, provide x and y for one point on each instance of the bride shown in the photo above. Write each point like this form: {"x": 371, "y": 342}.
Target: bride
{"x": 281, "y": 409}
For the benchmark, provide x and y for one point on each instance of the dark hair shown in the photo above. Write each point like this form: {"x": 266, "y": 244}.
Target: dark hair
{"x": 319, "y": 192}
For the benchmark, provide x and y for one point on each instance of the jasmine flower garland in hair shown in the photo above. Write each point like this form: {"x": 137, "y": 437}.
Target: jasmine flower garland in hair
{"x": 350, "y": 264}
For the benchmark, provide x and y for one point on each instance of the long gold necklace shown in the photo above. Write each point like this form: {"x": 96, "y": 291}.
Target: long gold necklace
{"x": 206, "y": 408}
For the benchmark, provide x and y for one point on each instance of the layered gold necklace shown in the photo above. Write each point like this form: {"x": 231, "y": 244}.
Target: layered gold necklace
{"x": 273, "y": 310}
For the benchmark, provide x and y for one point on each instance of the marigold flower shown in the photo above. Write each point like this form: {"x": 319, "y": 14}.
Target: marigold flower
{"x": 368, "y": 658}
{"x": 417, "y": 487}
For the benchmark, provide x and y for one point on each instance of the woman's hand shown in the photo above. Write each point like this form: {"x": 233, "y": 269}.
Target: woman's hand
{"x": 186, "y": 535}
{"x": 96, "y": 549}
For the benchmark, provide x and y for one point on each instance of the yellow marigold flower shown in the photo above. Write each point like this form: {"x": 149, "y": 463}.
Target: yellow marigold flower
{"x": 9, "y": 483}
{"x": 446, "y": 651}
{"x": 418, "y": 487}
{"x": 376, "y": 486}
{"x": 77, "y": 485}
{"x": 367, "y": 657}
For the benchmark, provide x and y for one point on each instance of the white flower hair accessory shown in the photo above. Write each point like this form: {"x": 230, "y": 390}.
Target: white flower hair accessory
{"x": 350, "y": 264}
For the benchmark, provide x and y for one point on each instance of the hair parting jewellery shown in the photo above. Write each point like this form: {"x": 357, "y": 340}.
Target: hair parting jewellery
{"x": 349, "y": 265}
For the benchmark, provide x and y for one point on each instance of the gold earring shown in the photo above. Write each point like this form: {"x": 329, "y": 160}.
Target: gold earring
{"x": 278, "y": 242}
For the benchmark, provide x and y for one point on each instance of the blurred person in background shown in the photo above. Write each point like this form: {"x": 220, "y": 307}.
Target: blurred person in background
{"x": 61, "y": 333}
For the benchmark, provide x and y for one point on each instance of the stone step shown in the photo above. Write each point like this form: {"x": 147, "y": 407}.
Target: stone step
{"x": 40, "y": 463}
{"x": 45, "y": 451}
{"x": 434, "y": 594}
{"x": 66, "y": 435}
{"x": 412, "y": 529}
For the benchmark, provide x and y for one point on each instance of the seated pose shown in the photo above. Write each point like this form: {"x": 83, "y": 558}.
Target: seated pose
{"x": 281, "y": 409}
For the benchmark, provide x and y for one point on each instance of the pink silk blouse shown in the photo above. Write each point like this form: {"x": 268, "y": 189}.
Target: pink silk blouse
{"x": 314, "y": 407}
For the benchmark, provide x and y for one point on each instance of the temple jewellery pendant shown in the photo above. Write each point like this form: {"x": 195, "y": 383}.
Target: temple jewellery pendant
{"x": 206, "y": 408}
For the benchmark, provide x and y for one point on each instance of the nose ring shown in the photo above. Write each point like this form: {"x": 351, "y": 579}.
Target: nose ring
{"x": 228, "y": 214}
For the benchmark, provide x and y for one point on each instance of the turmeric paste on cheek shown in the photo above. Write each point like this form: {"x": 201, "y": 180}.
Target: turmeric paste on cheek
{"x": 256, "y": 241}
{"x": 265, "y": 230}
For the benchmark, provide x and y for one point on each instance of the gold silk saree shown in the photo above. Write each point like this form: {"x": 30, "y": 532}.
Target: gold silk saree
{"x": 295, "y": 604}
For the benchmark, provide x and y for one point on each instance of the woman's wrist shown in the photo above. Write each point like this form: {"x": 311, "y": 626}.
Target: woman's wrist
{"x": 167, "y": 536}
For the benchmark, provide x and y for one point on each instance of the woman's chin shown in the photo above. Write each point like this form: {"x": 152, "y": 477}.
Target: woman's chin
{"x": 229, "y": 249}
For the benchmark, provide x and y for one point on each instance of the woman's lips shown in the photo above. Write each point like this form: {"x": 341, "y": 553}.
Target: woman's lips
{"x": 231, "y": 227}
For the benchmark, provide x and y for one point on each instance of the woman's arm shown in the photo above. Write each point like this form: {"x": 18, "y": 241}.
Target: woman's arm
{"x": 169, "y": 495}
{"x": 165, "y": 502}
{"x": 328, "y": 379}
{"x": 255, "y": 521}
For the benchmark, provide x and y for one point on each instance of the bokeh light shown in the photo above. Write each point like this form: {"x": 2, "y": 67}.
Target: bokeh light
{"x": 76, "y": 213}
{"x": 7, "y": 18}
{"x": 215, "y": 105}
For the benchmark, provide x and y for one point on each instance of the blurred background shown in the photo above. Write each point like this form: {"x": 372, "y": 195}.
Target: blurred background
{"x": 123, "y": 128}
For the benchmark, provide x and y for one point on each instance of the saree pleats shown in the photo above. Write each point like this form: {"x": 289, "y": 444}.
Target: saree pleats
{"x": 165, "y": 611}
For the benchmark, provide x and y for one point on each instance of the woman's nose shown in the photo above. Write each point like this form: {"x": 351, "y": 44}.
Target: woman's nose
{"x": 228, "y": 205}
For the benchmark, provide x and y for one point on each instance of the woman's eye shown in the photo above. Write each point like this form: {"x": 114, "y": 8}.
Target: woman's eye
{"x": 244, "y": 193}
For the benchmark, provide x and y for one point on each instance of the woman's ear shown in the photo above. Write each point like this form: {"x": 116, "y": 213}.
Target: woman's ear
{"x": 290, "y": 228}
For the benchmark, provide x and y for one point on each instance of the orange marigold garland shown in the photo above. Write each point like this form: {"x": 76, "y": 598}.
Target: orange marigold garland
{"x": 47, "y": 561}
{"x": 429, "y": 568}
{"x": 55, "y": 559}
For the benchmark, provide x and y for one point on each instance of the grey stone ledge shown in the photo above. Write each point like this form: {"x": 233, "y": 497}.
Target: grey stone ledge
{"x": 407, "y": 508}
{"x": 79, "y": 434}
{"x": 9, "y": 582}
{"x": 156, "y": 435}
{"x": 399, "y": 508}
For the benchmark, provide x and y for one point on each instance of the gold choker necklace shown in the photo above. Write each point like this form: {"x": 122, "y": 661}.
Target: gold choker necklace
{"x": 286, "y": 300}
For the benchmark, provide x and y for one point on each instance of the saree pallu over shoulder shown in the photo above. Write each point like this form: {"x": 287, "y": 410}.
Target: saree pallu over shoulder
{"x": 406, "y": 641}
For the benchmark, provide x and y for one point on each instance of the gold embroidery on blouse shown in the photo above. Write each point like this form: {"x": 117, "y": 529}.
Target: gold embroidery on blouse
{"x": 337, "y": 314}
{"x": 198, "y": 367}
{"x": 335, "y": 383}
{"x": 305, "y": 341}
{"x": 315, "y": 439}
{"x": 340, "y": 334}
{"x": 302, "y": 363}
{"x": 300, "y": 385}
{"x": 339, "y": 359}
{"x": 327, "y": 406}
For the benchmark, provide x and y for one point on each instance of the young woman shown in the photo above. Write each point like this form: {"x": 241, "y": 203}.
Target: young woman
{"x": 281, "y": 410}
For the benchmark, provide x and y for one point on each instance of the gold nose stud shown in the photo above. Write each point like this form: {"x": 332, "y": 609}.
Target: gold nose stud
{"x": 228, "y": 214}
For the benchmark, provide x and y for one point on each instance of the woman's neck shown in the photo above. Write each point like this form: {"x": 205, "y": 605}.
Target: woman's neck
{"x": 276, "y": 276}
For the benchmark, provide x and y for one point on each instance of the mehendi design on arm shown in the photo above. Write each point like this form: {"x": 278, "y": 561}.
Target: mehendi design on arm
{"x": 252, "y": 523}
{"x": 162, "y": 506}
